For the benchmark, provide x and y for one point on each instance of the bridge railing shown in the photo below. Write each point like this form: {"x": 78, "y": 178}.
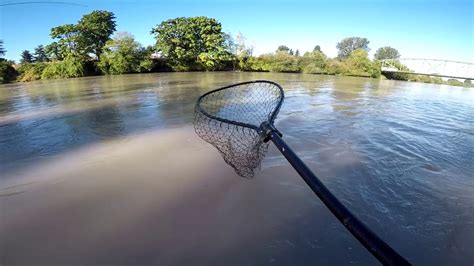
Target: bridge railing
{"x": 429, "y": 67}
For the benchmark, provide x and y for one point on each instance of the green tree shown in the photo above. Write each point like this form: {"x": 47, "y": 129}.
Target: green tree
{"x": 297, "y": 53}
{"x": 360, "y": 65}
{"x": 336, "y": 67}
{"x": 123, "y": 54}
{"x": 86, "y": 37}
{"x": 229, "y": 43}
{"x": 26, "y": 57}
{"x": 317, "y": 48}
{"x": 455, "y": 82}
{"x": 95, "y": 30}
{"x": 283, "y": 48}
{"x": 192, "y": 43}
{"x": 350, "y": 44}
{"x": 2, "y": 51}
{"x": 70, "y": 67}
{"x": 30, "y": 72}
{"x": 241, "y": 47}
{"x": 314, "y": 63}
{"x": 283, "y": 62}
{"x": 243, "y": 53}
{"x": 53, "y": 52}
{"x": 67, "y": 40}
{"x": 386, "y": 52}
{"x": 40, "y": 54}
{"x": 7, "y": 72}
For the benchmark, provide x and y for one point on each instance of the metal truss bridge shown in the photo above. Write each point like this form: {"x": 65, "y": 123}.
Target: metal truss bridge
{"x": 429, "y": 67}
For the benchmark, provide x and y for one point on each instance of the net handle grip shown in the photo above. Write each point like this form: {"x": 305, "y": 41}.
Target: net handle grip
{"x": 374, "y": 244}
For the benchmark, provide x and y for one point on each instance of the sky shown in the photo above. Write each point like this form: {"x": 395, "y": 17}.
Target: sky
{"x": 417, "y": 28}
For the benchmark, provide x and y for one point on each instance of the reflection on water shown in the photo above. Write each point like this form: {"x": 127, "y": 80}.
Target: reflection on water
{"x": 398, "y": 154}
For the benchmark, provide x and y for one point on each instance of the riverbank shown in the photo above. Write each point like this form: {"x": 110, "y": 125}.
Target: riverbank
{"x": 34, "y": 72}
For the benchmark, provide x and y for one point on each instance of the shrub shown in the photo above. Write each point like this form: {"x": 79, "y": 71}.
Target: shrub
{"x": 30, "y": 72}
{"x": 146, "y": 65}
{"x": 360, "y": 65}
{"x": 454, "y": 82}
{"x": 7, "y": 72}
{"x": 284, "y": 62}
{"x": 313, "y": 63}
{"x": 336, "y": 67}
{"x": 68, "y": 68}
{"x": 260, "y": 63}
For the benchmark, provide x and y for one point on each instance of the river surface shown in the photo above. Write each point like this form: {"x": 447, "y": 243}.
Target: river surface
{"x": 400, "y": 155}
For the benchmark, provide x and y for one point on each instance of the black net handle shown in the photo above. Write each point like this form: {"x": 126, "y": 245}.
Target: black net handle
{"x": 374, "y": 244}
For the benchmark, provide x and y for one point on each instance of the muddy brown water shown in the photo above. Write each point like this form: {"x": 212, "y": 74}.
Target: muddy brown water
{"x": 108, "y": 171}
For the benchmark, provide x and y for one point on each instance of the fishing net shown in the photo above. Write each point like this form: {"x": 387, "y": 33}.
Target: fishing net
{"x": 234, "y": 119}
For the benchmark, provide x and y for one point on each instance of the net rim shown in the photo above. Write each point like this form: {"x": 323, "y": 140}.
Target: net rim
{"x": 272, "y": 116}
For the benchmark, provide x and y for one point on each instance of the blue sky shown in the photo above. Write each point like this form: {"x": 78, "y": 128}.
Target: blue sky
{"x": 427, "y": 29}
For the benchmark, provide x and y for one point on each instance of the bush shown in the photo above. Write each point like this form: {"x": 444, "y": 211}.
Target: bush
{"x": 68, "y": 68}
{"x": 437, "y": 80}
{"x": 123, "y": 55}
{"x": 30, "y": 72}
{"x": 244, "y": 61}
{"x": 336, "y": 67}
{"x": 146, "y": 65}
{"x": 468, "y": 83}
{"x": 455, "y": 82}
{"x": 360, "y": 65}
{"x": 7, "y": 72}
{"x": 261, "y": 63}
{"x": 284, "y": 62}
{"x": 313, "y": 63}
{"x": 216, "y": 60}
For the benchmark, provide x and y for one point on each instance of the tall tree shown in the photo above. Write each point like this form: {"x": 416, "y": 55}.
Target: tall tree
{"x": 229, "y": 43}
{"x": 360, "y": 64}
{"x": 243, "y": 52}
{"x": 348, "y": 45}
{"x": 122, "y": 54}
{"x": 26, "y": 57}
{"x": 95, "y": 30}
{"x": 317, "y": 48}
{"x": 53, "y": 52}
{"x": 242, "y": 48}
{"x": 191, "y": 42}
{"x": 2, "y": 50}
{"x": 86, "y": 37}
{"x": 40, "y": 54}
{"x": 283, "y": 48}
{"x": 386, "y": 52}
{"x": 297, "y": 53}
{"x": 68, "y": 39}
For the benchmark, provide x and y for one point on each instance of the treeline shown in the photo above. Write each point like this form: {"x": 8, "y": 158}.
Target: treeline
{"x": 90, "y": 47}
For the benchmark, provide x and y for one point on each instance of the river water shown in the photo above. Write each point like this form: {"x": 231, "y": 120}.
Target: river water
{"x": 107, "y": 170}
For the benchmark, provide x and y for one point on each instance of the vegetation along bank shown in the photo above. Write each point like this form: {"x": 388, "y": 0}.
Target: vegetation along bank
{"x": 93, "y": 47}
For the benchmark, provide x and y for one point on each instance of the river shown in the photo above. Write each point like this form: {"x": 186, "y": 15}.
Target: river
{"x": 107, "y": 171}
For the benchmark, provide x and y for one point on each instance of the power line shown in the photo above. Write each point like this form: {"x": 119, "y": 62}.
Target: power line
{"x": 42, "y": 2}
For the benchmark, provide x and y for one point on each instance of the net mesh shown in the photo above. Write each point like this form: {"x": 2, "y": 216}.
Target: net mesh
{"x": 230, "y": 119}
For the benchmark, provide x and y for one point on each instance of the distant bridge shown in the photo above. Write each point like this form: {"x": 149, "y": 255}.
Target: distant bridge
{"x": 429, "y": 67}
